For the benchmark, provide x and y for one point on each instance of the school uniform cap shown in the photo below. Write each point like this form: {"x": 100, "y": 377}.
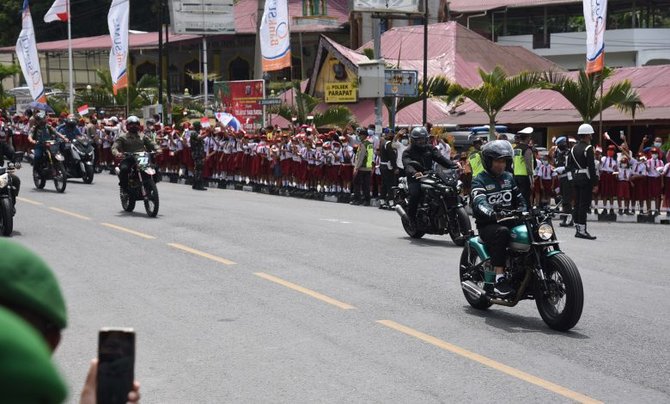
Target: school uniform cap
{"x": 27, "y": 374}
{"x": 27, "y": 281}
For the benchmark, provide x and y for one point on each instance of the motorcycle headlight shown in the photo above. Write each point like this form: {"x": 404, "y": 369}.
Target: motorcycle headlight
{"x": 545, "y": 231}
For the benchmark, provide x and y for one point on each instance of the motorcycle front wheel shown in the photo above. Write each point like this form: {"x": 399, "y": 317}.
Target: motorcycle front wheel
{"x": 151, "y": 202}
{"x": 39, "y": 181}
{"x": 460, "y": 227}
{"x": 60, "y": 180}
{"x": 88, "y": 174}
{"x": 470, "y": 258}
{"x": 6, "y": 217}
{"x": 561, "y": 305}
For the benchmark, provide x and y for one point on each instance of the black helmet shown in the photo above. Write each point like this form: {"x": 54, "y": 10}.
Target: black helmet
{"x": 419, "y": 133}
{"x": 150, "y": 122}
{"x": 360, "y": 131}
{"x": 40, "y": 117}
{"x": 497, "y": 149}
{"x": 71, "y": 122}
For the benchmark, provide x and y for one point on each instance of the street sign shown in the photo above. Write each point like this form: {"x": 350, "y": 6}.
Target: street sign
{"x": 270, "y": 101}
{"x": 340, "y": 92}
{"x": 202, "y": 17}
{"x": 401, "y": 83}
{"x": 387, "y": 6}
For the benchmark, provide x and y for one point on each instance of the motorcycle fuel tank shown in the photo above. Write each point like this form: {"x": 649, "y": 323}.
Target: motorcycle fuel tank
{"x": 519, "y": 239}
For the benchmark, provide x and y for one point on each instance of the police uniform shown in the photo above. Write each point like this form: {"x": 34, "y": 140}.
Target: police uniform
{"x": 581, "y": 163}
{"x": 523, "y": 173}
{"x": 564, "y": 181}
{"x": 198, "y": 156}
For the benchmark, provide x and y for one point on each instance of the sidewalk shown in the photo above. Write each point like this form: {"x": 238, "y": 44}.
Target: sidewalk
{"x": 344, "y": 198}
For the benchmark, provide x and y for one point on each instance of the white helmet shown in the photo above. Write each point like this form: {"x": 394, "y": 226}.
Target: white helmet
{"x": 585, "y": 129}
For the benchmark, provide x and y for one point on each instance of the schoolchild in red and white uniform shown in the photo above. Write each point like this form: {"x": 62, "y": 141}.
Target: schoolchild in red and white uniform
{"x": 544, "y": 172}
{"x": 654, "y": 180}
{"x": 608, "y": 181}
{"x": 285, "y": 160}
{"x": 210, "y": 154}
{"x": 336, "y": 180}
{"x": 228, "y": 156}
{"x": 665, "y": 172}
{"x": 347, "y": 168}
{"x": 624, "y": 180}
{"x": 640, "y": 192}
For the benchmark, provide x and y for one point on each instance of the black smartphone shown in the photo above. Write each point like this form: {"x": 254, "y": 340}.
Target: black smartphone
{"x": 116, "y": 365}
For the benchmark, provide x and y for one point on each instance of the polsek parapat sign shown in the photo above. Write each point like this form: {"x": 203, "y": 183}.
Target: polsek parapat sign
{"x": 595, "y": 17}
{"x": 340, "y": 92}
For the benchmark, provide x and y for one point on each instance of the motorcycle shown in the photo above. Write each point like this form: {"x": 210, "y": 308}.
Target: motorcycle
{"x": 79, "y": 159}
{"x": 441, "y": 209}
{"x": 536, "y": 267}
{"x": 54, "y": 170}
{"x": 141, "y": 184}
{"x": 7, "y": 199}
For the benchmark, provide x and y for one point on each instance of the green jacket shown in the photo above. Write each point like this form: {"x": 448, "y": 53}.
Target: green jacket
{"x": 133, "y": 143}
{"x": 488, "y": 191}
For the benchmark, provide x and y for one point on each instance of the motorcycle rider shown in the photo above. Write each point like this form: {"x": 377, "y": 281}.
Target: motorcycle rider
{"x": 131, "y": 142}
{"x": 423, "y": 153}
{"x": 70, "y": 130}
{"x": 40, "y": 133}
{"x": 493, "y": 188}
{"x": 7, "y": 152}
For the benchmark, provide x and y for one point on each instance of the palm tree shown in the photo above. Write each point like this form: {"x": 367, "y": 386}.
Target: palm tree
{"x": 583, "y": 93}
{"x": 305, "y": 105}
{"x": 140, "y": 93}
{"x": 6, "y": 71}
{"x": 496, "y": 90}
{"x": 438, "y": 86}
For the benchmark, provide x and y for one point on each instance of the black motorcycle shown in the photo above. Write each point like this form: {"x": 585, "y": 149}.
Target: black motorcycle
{"x": 7, "y": 199}
{"x": 79, "y": 158}
{"x": 53, "y": 169}
{"x": 536, "y": 266}
{"x": 141, "y": 184}
{"x": 441, "y": 209}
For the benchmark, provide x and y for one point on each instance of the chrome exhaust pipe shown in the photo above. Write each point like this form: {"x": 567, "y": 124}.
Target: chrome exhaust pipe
{"x": 401, "y": 212}
{"x": 472, "y": 288}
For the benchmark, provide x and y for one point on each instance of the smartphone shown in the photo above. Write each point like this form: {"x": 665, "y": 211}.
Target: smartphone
{"x": 116, "y": 365}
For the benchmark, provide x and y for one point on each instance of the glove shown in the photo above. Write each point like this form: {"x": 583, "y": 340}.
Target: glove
{"x": 560, "y": 170}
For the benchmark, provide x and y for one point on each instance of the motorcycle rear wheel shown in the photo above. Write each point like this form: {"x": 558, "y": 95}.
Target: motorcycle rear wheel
{"x": 151, "y": 203}
{"x": 127, "y": 201}
{"x": 461, "y": 228}
{"x": 411, "y": 231}
{"x": 562, "y": 307}
{"x": 468, "y": 260}
{"x": 6, "y": 217}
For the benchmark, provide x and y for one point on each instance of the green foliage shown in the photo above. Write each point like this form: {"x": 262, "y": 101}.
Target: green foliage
{"x": 438, "y": 86}
{"x": 496, "y": 90}
{"x": 305, "y": 105}
{"x": 141, "y": 93}
{"x": 584, "y": 93}
{"x": 369, "y": 52}
{"x": 5, "y": 72}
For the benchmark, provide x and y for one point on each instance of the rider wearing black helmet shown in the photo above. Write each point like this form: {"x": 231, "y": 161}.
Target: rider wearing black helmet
{"x": 131, "y": 142}
{"x": 495, "y": 187}
{"x": 40, "y": 133}
{"x": 419, "y": 157}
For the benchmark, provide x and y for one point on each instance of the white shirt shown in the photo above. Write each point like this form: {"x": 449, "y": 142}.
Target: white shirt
{"x": 400, "y": 148}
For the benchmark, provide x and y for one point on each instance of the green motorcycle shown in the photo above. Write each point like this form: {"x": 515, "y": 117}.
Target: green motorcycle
{"x": 536, "y": 267}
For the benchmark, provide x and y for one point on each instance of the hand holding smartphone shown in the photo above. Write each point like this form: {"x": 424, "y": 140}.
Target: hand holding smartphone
{"x": 116, "y": 365}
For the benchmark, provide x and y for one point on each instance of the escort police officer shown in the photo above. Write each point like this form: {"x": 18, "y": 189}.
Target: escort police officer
{"x": 423, "y": 153}
{"x": 198, "y": 156}
{"x": 565, "y": 180}
{"x": 585, "y": 178}
{"x": 475, "y": 158}
{"x": 524, "y": 163}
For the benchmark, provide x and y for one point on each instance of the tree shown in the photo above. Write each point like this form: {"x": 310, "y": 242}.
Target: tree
{"x": 584, "y": 93}
{"x": 305, "y": 105}
{"x": 496, "y": 90}
{"x": 5, "y": 72}
{"x": 141, "y": 93}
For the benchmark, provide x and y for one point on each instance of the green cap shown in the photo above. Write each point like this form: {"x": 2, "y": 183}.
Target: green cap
{"x": 26, "y": 281}
{"x": 27, "y": 374}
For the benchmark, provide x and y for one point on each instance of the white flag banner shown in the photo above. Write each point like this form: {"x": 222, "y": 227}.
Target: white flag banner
{"x": 117, "y": 21}
{"x": 57, "y": 12}
{"x": 595, "y": 17}
{"x": 275, "y": 36}
{"x": 26, "y": 52}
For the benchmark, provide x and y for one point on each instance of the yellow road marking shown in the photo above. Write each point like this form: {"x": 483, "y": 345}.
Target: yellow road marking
{"x": 65, "y": 212}
{"x": 555, "y": 388}
{"x": 26, "y": 200}
{"x": 308, "y": 292}
{"x": 201, "y": 254}
{"x": 133, "y": 232}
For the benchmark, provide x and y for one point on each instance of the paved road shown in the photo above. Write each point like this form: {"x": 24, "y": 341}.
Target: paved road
{"x": 242, "y": 297}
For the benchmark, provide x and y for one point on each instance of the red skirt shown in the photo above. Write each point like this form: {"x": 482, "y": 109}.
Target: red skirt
{"x": 303, "y": 171}
{"x": 623, "y": 190}
{"x": 207, "y": 170}
{"x": 255, "y": 166}
{"x": 667, "y": 191}
{"x": 608, "y": 185}
{"x": 547, "y": 187}
{"x": 332, "y": 174}
{"x": 107, "y": 155}
{"x": 640, "y": 189}
{"x": 654, "y": 187}
{"x": 347, "y": 173}
{"x": 286, "y": 167}
{"x": 317, "y": 172}
{"x": 186, "y": 159}
{"x": 246, "y": 164}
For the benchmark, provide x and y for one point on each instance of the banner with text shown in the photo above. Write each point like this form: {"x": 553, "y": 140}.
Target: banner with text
{"x": 340, "y": 92}
{"x": 595, "y": 17}
{"x": 242, "y": 100}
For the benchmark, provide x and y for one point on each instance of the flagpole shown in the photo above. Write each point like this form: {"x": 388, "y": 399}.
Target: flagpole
{"x": 69, "y": 49}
